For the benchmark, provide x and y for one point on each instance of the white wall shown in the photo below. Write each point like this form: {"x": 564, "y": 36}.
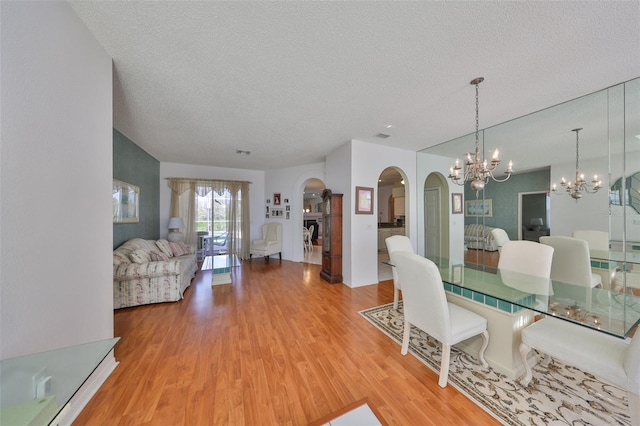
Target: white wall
{"x": 55, "y": 181}
{"x": 360, "y": 163}
{"x": 256, "y": 189}
{"x": 290, "y": 183}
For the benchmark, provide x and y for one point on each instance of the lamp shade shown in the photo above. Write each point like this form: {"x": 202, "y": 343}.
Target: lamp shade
{"x": 536, "y": 221}
{"x": 176, "y": 223}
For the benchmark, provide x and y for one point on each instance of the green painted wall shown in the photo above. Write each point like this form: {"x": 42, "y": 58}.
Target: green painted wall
{"x": 504, "y": 198}
{"x": 133, "y": 165}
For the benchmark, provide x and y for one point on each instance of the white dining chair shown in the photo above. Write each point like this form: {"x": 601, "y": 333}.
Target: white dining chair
{"x": 306, "y": 237}
{"x": 572, "y": 263}
{"x": 426, "y": 307}
{"x": 397, "y": 243}
{"x": 500, "y": 236}
{"x": 597, "y": 240}
{"x": 310, "y": 238}
{"x": 613, "y": 359}
{"x": 526, "y": 266}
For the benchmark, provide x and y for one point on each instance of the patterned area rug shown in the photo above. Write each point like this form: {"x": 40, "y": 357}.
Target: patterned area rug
{"x": 559, "y": 394}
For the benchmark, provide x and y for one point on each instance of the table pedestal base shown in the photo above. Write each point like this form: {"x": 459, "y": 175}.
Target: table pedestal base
{"x": 504, "y": 335}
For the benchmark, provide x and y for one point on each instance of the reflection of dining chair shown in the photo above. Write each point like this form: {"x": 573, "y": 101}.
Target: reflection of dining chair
{"x": 572, "y": 263}
{"x": 597, "y": 240}
{"x": 526, "y": 266}
{"x": 426, "y": 307}
{"x": 397, "y": 243}
{"x": 500, "y": 237}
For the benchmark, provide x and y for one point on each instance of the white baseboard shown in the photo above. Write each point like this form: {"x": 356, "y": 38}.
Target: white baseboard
{"x": 88, "y": 389}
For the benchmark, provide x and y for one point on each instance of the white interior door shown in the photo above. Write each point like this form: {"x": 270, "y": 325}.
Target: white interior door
{"x": 432, "y": 226}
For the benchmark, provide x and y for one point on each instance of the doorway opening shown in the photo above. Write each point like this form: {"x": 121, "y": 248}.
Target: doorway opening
{"x": 392, "y": 202}
{"x": 312, "y": 221}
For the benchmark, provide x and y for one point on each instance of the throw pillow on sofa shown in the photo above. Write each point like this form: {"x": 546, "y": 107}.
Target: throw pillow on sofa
{"x": 163, "y": 245}
{"x": 159, "y": 257}
{"x": 140, "y": 256}
{"x": 180, "y": 249}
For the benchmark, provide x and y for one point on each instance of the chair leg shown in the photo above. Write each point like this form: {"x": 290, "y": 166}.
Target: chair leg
{"x": 524, "y": 352}
{"x": 485, "y": 343}
{"x": 396, "y": 298}
{"x": 405, "y": 338}
{"x": 444, "y": 365}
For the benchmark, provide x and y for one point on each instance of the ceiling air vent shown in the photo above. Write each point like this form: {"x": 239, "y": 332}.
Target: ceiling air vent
{"x": 382, "y": 135}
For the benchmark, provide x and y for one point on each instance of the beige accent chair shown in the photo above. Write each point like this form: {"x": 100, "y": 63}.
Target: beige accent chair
{"x": 426, "y": 307}
{"x": 500, "y": 237}
{"x": 526, "y": 266}
{"x": 597, "y": 240}
{"x": 397, "y": 243}
{"x": 270, "y": 243}
{"x": 610, "y": 358}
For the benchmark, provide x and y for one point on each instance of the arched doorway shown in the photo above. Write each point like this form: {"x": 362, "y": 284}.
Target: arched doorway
{"x": 312, "y": 221}
{"x": 392, "y": 202}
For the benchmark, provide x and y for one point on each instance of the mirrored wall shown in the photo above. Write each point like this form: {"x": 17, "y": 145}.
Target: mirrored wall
{"x": 545, "y": 148}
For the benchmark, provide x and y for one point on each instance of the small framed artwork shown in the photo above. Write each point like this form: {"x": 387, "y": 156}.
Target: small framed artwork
{"x": 277, "y": 213}
{"x": 287, "y": 208}
{"x": 478, "y": 208}
{"x": 364, "y": 200}
{"x": 288, "y": 215}
{"x": 276, "y": 199}
{"x": 286, "y": 201}
{"x": 126, "y": 202}
{"x": 456, "y": 203}
{"x": 268, "y": 200}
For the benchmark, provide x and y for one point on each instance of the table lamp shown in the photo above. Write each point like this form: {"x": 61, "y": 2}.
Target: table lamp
{"x": 536, "y": 223}
{"x": 175, "y": 225}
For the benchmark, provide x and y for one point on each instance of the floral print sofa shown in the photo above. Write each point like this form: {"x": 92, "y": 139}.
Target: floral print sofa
{"x": 148, "y": 271}
{"x": 477, "y": 236}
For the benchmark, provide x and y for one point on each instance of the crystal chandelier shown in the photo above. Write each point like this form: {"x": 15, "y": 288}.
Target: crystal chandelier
{"x": 576, "y": 188}
{"x": 478, "y": 170}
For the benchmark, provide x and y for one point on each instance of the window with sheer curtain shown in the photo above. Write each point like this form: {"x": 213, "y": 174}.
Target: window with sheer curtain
{"x": 234, "y": 194}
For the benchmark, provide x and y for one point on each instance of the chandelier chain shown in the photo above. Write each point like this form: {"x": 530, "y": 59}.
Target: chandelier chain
{"x": 476, "y": 169}
{"x": 577, "y": 152}
{"x": 477, "y": 119}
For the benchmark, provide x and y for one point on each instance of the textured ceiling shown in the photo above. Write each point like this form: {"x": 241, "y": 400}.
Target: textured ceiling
{"x": 291, "y": 81}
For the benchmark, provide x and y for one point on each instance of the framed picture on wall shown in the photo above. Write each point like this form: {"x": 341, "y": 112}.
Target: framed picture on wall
{"x": 478, "y": 208}
{"x": 276, "y": 199}
{"x": 364, "y": 200}
{"x": 456, "y": 203}
{"x": 126, "y": 202}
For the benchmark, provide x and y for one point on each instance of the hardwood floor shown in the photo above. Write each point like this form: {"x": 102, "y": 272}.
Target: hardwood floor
{"x": 279, "y": 346}
{"x": 481, "y": 257}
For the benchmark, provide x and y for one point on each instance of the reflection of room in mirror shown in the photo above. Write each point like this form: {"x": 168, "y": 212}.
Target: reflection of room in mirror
{"x": 543, "y": 150}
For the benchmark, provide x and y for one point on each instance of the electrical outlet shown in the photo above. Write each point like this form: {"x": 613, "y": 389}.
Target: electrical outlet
{"x": 37, "y": 382}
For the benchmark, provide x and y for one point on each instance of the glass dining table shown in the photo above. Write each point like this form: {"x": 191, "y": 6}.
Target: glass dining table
{"x": 605, "y": 310}
{"x": 510, "y": 301}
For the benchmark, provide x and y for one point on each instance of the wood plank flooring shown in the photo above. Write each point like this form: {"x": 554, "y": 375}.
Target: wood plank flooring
{"x": 279, "y": 346}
